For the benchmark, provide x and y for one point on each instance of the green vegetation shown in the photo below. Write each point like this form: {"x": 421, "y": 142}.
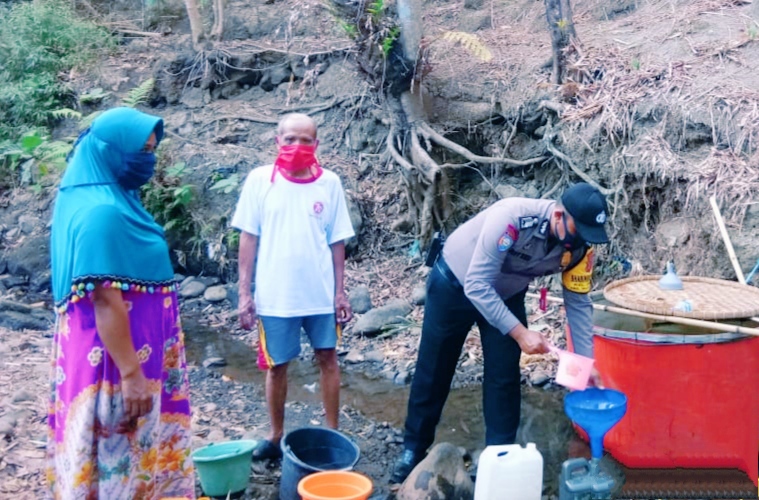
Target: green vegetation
{"x": 169, "y": 199}
{"x": 226, "y": 185}
{"x": 389, "y": 40}
{"x": 39, "y": 41}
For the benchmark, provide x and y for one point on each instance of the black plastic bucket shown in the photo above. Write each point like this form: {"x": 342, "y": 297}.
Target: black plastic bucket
{"x": 313, "y": 449}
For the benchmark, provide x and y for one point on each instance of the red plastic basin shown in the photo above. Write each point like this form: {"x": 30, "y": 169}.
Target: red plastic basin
{"x": 689, "y": 405}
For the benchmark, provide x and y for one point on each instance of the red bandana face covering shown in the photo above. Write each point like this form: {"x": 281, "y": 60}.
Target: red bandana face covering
{"x": 295, "y": 158}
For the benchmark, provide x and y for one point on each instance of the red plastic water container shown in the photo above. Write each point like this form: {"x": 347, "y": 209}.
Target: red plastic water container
{"x": 693, "y": 400}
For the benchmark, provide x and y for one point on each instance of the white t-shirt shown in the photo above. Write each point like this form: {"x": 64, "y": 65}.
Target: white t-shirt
{"x": 295, "y": 224}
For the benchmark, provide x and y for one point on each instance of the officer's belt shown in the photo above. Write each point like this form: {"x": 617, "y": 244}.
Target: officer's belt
{"x": 446, "y": 272}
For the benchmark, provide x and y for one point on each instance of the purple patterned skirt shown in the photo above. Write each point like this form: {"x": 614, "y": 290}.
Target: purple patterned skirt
{"x": 87, "y": 457}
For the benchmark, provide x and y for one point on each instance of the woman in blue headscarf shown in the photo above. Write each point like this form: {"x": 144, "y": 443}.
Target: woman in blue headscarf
{"x": 119, "y": 415}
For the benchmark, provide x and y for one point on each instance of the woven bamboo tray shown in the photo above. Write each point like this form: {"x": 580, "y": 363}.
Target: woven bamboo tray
{"x": 711, "y": 299}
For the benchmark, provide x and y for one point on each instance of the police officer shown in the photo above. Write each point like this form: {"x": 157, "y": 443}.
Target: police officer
{"x": 481, "y": 276}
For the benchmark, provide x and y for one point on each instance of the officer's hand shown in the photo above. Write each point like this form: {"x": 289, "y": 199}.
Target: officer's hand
{"x": 530, "y": 341}
{"x": 595, "y": 379}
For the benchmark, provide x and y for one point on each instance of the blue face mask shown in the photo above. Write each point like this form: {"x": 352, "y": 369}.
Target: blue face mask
{"x": 138, "y": 169}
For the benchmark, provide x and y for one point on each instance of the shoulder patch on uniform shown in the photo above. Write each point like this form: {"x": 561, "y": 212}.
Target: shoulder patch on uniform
{"x": 527, "y": 222}
{"x": 543, "y": 227}
{"x": 507, "y": 238}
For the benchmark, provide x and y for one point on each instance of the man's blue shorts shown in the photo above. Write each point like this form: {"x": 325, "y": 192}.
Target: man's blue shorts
{"x": 279, "y": 338}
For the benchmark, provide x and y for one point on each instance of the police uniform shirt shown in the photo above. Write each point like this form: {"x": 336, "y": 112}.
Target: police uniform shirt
{"x": 502, "y": 249}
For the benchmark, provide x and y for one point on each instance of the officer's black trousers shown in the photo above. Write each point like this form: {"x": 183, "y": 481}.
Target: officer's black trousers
{"x": 448, "y": 317}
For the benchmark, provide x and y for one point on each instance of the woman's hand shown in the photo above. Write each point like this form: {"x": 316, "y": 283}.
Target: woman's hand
{"x": 138, "y": 401}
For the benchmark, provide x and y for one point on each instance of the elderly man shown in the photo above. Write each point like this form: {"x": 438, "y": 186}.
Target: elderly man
{"x": 481, "y": 276}
{"x": 294, "y": 221}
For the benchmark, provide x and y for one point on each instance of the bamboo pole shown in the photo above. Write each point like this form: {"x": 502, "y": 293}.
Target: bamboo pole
{"x": 728, "y": 245}
{"x": 726, "y": 239}
{"x": 723, "y": 327}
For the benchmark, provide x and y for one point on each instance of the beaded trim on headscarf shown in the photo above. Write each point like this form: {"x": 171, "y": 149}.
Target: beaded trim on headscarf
{"x": 84, "y": 288}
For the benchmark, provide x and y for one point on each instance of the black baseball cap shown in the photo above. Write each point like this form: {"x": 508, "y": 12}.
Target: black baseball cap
{"x": 587, "y": 206}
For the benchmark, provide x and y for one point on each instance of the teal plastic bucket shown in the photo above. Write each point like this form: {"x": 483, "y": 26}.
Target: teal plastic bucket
{"x": 224, "y": 468}
{"x": 313, "y": 449}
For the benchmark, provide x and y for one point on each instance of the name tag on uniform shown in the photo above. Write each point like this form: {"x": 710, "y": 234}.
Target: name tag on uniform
{"x": 528, "y": 222}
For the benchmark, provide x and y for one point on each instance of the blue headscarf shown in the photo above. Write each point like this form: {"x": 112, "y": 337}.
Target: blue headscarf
{"x": 101, "y": 231}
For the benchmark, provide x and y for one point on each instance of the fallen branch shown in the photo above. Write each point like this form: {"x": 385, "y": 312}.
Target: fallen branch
{"x": 582, "y": 175}
{"x": 430, "y": 133}
{"x": 257, "y": 119}
{"x": 169, "y": 132}
{"x": 150, "y": 34}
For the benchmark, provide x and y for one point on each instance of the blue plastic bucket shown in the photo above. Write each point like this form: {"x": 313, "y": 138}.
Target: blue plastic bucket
{"x": 313, "y": 449}
{"x": 224, "y": 468}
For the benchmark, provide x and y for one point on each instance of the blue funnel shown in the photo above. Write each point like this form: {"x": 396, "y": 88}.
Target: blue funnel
{"x": 596, "y": 411}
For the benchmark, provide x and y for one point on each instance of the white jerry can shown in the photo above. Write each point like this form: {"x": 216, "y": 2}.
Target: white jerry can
{"x": 509, "y": 472}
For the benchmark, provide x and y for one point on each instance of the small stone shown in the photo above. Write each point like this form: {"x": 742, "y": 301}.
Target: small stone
{"x": 539, "y": 378}
{"x": 374, "y": 356}
{"x": 354, "y": 356}
{"x": 192, "y": 289}
{"x": 214, "y": 362}
{"x": 215, "y": 293}
{"x": 402, "y": 378}
{"x": 209, "y": 407}
{"x": 215, "y": 436}
{"x": 208, "y": 280}
{"x": 26, "y": 223}
{"x": 419, "y": 296}
{"x": 21, "y": 396}
{"x": 7, "y": 424}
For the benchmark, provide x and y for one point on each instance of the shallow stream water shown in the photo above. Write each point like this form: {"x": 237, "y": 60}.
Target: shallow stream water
{"x": 543, "y": 421}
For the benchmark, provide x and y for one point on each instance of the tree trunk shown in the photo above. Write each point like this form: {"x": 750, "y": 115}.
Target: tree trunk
{"x": 196, "y": 22}
{"x": 217, "y": 31}
{"x": 562, "y": 30}
{"x": 410, "y": 19}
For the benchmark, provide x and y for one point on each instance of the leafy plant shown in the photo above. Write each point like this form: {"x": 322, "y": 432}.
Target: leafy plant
{"x": 227, "y": 185}
{"x": 635, "y": 64}
{"x": 94, "y": 96}
{"x": 350, "y": 29}
{"x": 140, "y": 94}
{"x": 375, "y": 10}
{"x": 470, "y": 42}
{"x": 31, "y": 159}
{"x": 169, "y": 200}
{"x": 232, "y": 239}
{"x": 753, "y": 32}
{"x": 389, "y": 40}
{"x": 38, "y": 42}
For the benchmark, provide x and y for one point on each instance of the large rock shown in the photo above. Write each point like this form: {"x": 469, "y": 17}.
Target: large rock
{"x": 441, "y": 475}
{"x": 14, "y": 320}
{"x": 357, "y": 222}
{"x": 31, "y": 257}
{"x": 672, "y": 233}
{"x": 391, "y": 313}
{"x": 360, "y": 299}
